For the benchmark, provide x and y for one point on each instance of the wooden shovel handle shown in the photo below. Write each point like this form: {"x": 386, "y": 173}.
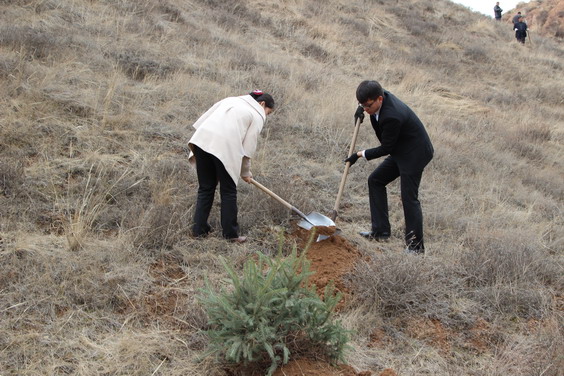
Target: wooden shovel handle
{"x": 345, "y": 173}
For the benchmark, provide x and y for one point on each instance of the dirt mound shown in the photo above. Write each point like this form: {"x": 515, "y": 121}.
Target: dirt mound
{"x": 331, "y": 259}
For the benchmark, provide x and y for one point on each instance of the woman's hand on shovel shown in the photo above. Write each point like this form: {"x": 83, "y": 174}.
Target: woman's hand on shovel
{"x": 247, "y": 179}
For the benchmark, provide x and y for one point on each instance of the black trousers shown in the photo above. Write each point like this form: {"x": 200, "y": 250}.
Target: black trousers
{"x": 210, "y": 172}
{"x": 384, "y": 174}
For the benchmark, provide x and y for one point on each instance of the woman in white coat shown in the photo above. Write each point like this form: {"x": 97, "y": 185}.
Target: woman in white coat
{"x": 221, "y": 148}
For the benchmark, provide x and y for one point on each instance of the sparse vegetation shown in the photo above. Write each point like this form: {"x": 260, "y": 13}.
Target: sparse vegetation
{"x": 99, "y": 273}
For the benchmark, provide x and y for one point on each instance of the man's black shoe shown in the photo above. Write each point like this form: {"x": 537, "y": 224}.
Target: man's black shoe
{"x": 378, "y": 236}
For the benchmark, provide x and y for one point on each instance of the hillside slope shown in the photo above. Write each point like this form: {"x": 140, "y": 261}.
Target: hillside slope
{"x": 100, "y": 274}
{"x": 545, "y": 17}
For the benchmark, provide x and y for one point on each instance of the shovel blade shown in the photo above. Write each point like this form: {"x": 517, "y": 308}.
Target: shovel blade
{"x": 315, "y": 219}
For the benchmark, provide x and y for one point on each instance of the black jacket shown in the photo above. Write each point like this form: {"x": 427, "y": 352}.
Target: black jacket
{"x": 520, "y": 30}
{"x": 401, "y": 135}
{"x": 497, "y": 11}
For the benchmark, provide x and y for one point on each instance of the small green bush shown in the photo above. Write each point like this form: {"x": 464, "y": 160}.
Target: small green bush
{"x": 269, "y": 313}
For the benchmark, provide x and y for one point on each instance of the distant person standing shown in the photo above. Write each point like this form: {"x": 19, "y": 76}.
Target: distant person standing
{"x": 497, "y": 11}
{"x": 520, "y": 30}
{"x": 407, "y": 149}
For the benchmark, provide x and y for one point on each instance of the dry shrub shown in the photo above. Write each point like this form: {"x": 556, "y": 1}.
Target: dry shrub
{"x": 234, "y": 14}
{"x": 545, "y": 93}
{"x": 161, "y": 215}
{"x": 243, "y": 59}
{"x": 509, "y": 277}
{"x": 139, "y": 64}
{"x": 35, "y": 43}
{"x": 523, "y": 300}
{"x": 97, "y": 200}
{"x": 501, "y": 259}
{"x": 160, "y": 226}
{"x": 9, "y": 66}
{"x": 171, "y": 12}
{"x": 315, "y": 51}
{"x": 398, "y": 285}
{"x": 539, "y": 354}
{"x": 360, "y": 28}
{"x": 69, "y": 103}
{"x": 476, "y": 53}
{"x": 504, "y": 98}
{"x": 415, "y": 23}
{"x": 11, "y": 175}
{"x": 534, "y": 132}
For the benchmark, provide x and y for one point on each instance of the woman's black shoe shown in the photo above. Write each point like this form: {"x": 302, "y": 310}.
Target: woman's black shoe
{"x": 378, "y": 236}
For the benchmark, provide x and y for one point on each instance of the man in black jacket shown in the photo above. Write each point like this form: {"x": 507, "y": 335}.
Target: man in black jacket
{"x": 406, "y": 144}
{"x": 497, "y": 11}
{"x": 515, "y": 18}
{"x": 520, "y": 30}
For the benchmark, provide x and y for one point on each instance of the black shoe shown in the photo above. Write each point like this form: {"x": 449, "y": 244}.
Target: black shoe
{"x": 200, "y": 232}
{"x": 200, "y": 236}
{"x": 414, "y": 250}
{"x": 378, "y": 236}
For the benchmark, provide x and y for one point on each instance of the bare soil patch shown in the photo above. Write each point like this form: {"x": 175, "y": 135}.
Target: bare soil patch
{"x": 307, "y": 367}
{"x": 331, "y": 259}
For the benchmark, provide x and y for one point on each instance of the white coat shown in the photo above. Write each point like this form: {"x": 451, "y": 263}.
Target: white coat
{"x": 229, "y": 130}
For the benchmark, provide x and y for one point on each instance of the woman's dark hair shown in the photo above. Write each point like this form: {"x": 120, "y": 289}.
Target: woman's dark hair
{"x": 263, "y": 97}
{"x": 367, "y": 90}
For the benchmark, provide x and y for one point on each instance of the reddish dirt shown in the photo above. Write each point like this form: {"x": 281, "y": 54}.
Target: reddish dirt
{"x": 325, "y": 230}
{"x": 307, "y": 367}
{"x": 165, "y": 269}
{"x": 331, "y": 259}
{"x": 388, "y": 372}
{"x": 431, "y": 331}
{"x": 479, "y": 336}
{"x": 379, "y": 339}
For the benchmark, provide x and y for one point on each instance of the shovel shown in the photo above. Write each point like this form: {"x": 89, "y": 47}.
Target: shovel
{"x": 309, "y": 221}
{"x": 345, "y": 173}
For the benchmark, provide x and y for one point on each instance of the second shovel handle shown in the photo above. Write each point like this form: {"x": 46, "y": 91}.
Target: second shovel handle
{"x": 345, "y": 173}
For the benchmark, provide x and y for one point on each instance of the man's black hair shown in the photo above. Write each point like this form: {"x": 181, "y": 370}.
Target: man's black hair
{"x": 368, "y": 90}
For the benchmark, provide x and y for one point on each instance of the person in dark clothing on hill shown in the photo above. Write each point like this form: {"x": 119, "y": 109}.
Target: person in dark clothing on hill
{"x": 407, "y": 148}
{"x": 497, "y": 12}
{"x": 520, "y": 30}
{"x": 516, "y": 18}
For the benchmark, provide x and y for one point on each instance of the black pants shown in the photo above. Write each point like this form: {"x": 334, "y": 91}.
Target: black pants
{"x": 210, "y": 172}
{"x": 384, "y": 174}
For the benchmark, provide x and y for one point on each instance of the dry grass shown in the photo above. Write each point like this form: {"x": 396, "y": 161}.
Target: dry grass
{"x": 96, "y": 195}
